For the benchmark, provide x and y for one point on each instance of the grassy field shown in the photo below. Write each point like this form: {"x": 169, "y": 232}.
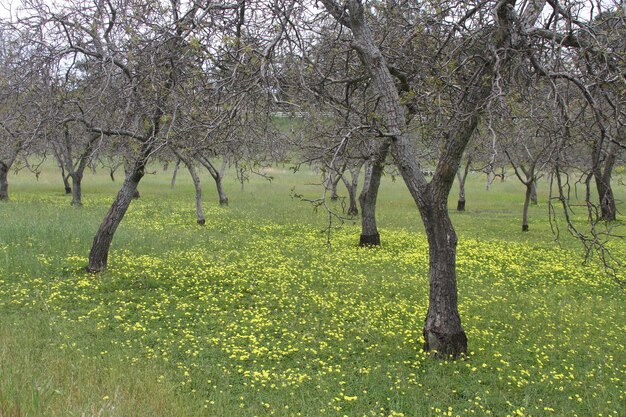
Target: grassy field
{"x": 256, "y": 315}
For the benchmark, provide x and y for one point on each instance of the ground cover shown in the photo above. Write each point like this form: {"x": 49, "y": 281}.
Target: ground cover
{"x": 255, "y": 314}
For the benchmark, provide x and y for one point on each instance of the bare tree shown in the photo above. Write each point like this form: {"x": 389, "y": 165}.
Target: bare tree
{"x": 490, "y": 32}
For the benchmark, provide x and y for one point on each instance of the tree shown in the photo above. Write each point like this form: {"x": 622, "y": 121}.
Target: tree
{"x": 490, "y": 46}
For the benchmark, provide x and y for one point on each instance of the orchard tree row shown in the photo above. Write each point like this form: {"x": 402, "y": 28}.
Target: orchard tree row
{"x": 428, "y": 89}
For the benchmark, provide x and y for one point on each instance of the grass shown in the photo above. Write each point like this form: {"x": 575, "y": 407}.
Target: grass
{"x": 254, "y": 314}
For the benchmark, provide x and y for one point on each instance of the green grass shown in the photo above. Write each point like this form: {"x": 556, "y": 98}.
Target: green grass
{"x": 254, "y": 314}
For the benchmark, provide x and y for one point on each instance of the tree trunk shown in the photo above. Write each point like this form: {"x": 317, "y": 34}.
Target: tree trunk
{"x": 77, "y": 179}
{"x": 369, "y": 196}
{"x": 196, "y": 183}
{"x": 608, "y": 209}
{"x": 66, "y": 182}
{"x": 533, "y": 193}
{"x": 351, "y": 187}
{"x": 4, "y": 182}
{"x": 334, "y": 181}
{"x": 99, "y": 253}
{"x": 443, "y": 333}
{"x": 220, "y": 191}
{"x": 442, "y": 329}
{"x": 173, "y": 182}
{"x": 460, "y": 206}
{"x": 217, "y": 176}
{"x": 529, "y": 192}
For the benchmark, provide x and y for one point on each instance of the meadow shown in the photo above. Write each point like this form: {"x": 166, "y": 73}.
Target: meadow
{"x": 257, "y": 314}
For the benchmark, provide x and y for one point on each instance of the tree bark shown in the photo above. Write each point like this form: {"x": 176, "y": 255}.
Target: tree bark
{"x": 334, "y": 181}
{"x": 196, "y": 183}
{"x": 608, "y": 209}
{"x": 529, "y": 192}
{"x": 533, "y": 193}
{"x": 443, "y": 333}
{"x": 602, "y": 175}
{"x": 351, "y": 187}
{"x": 369, "y": 195}
{"x": 66, "y": 183}
{"x": 173, "y": 182}
{"x": 460, "y": 206}
{"x": 77, "y": 179}
{"x": 220, "y": 191}
{"x": 98, "y": 256}
{"x": 4, "y": 181}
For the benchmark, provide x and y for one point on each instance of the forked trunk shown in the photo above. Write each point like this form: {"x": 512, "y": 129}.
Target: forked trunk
{"x": 4, "y": 181}
{"x": 443, "y": 333}
{"x": 76, "y": 190}
{"x": 99, "y": 253}
{"x": 217, "y": 176}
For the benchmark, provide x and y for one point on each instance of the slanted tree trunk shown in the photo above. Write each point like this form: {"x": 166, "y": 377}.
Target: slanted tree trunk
{"x": 369, "y": 195}
{"x": 460, "y": 206}
{"x": 173, "y": 182}
{"x": 220, "y": 191}
{"x": 99, "y": 254}
{"x": 4, "y": 181}
{"x": 128, "y": 170}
